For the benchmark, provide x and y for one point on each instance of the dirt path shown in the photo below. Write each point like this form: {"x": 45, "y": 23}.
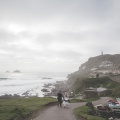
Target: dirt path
{"x": 61, "y": 113}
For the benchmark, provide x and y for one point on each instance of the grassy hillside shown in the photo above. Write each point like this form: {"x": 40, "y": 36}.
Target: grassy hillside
{"x": 19, "y": 109}
{"x": 97, "y": 82}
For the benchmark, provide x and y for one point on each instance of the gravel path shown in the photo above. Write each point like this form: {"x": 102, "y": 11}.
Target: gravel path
{"x": 61, "y": 113}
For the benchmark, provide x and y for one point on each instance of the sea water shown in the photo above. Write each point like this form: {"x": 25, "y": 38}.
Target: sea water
{"x": 32, "y": 82}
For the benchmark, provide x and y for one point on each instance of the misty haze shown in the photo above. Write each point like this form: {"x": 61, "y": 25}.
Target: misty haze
{"x": 50, "y": 45}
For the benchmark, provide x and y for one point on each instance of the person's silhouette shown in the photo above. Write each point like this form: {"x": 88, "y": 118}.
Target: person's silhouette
{"x": 59, "y": 97}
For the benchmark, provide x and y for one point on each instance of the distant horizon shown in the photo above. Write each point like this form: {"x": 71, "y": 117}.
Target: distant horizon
{"x": 29, "y": 71}
{"x": 39, "y": 71}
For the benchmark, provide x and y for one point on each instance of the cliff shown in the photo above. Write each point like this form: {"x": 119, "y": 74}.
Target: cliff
{"x": 101, "y": 62}
{"x": 104, "y": 65}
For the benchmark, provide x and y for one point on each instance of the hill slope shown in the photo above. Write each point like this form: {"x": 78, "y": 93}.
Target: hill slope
{"x": 103, "y": 64}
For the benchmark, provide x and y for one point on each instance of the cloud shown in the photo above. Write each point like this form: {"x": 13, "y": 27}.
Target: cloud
{"x": 6, "y": 36}
{"x": 56, "y": 35}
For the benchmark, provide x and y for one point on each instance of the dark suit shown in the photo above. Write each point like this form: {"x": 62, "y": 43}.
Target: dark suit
{"x": 59, "y": 97}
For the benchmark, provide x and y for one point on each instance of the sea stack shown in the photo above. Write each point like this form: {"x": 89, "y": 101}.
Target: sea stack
{"x": 16, "y": 71}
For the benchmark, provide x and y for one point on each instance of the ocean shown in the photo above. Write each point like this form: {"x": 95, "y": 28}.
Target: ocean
{"x": 31, "y": 83}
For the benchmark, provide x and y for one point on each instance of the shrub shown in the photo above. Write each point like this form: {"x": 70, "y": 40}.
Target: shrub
{"x": 83, "y": 113}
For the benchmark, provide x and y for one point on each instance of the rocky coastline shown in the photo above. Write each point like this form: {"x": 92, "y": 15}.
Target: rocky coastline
{"x": 7, "y": 96}
{"x": 56, "y": 87}
{"x": 49, "y": 90}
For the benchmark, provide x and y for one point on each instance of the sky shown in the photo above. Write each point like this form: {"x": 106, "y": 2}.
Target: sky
{"x": 56, "y": 35}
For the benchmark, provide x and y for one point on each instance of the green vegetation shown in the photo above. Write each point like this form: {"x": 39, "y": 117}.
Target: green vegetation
{"x": 16, "y": 109}
{"x": 78, "y": 85}
{"x": 83, "y": 100}
{"x": 97, "y": 82}
{"x": 82, "y": 113}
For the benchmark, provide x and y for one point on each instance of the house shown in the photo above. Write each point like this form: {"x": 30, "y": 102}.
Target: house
{"x": 90, "y": 93}
{"x": 95, "y": 92}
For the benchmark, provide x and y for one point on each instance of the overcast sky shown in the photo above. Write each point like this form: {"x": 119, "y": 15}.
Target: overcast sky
{"x": 56, "y": 35}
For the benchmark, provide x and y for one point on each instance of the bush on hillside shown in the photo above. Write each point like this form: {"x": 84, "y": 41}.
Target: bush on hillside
{"x": 106, "y": 82}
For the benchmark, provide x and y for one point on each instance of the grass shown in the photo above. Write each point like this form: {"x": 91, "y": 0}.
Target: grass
{"x": 82, "y": 113}
{"x": 20, "y": 108}
{"x": 83, "y": 100}
{"x": 16, "y": 109}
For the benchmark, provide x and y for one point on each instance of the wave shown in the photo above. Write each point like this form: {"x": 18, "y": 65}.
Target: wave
{"x": 27, "y": 84}
{"x": 4, "y": 78}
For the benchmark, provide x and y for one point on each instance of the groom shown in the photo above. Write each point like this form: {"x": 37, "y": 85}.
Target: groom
{"x": 59, "y": 97}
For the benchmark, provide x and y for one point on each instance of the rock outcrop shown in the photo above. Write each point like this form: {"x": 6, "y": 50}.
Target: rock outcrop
{"x": 16, "y": 71}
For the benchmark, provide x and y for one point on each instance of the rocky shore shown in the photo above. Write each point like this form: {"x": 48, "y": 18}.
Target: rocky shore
{"x": 59, "y": 85}
{"x": 49, "y": 90}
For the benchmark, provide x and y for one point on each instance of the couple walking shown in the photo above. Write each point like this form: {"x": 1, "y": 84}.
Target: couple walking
{"x": 60, "y": 98}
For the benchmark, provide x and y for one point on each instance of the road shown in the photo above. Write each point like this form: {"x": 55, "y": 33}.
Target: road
{"x": 61, "y": 113}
